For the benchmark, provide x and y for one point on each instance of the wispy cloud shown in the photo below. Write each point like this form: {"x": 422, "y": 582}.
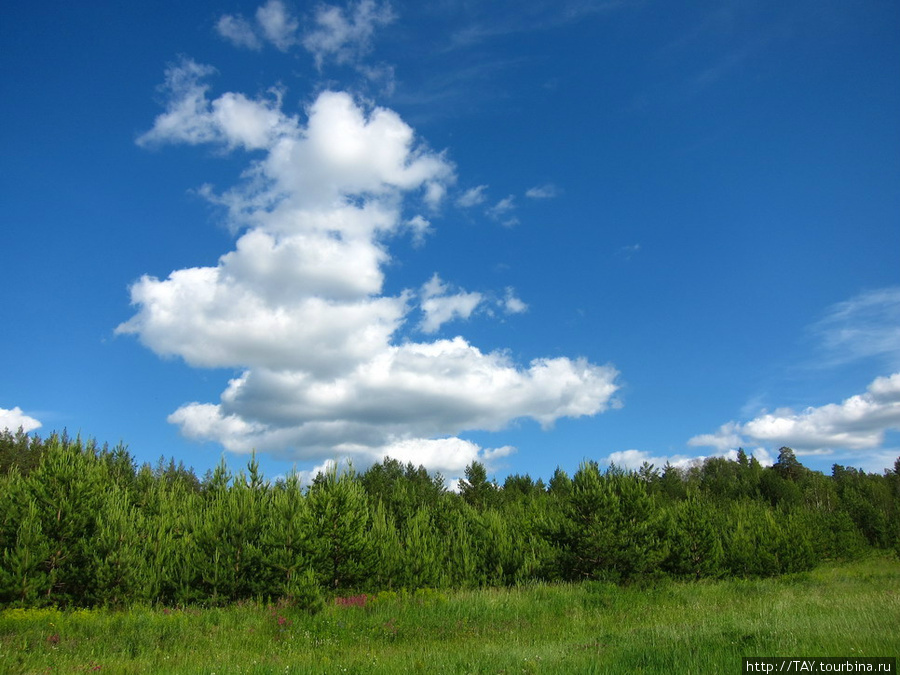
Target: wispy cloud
{"x": 345, "y": 35}
{"x": 273, "y": 24}
{"x": 628, "y": 252}
{"x": 238, "y": 31}
{"x": 545, "y": 191}
{"x": 493, "y": 20}
{"x": 341, "y": 35}
{"x": 472, "y": 197}
{"x": 503, "y": 210}
{"x": 866, "y": 326}
{"x": 278, "y": 25}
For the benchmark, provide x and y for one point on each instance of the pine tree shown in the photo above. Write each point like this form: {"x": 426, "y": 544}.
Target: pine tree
{"x": 338, "y": 523}
{"x": 694, "y": 540}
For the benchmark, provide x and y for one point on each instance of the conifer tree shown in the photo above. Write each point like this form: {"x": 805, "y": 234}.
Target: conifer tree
{"x": 694, "y": 540}
{"x": 338, "y": 523}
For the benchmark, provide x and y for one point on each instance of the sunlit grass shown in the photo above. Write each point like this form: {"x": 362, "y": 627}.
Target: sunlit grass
{"x": 845, "y": 610}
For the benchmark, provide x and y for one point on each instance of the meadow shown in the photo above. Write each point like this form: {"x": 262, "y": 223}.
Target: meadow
{"x": 664, "y": 626}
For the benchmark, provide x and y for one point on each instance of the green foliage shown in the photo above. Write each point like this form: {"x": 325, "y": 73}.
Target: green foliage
{"x": 476, "y": 490}
{"x": 82, "y": 526}
{"x": 695, "y": 547}
{"x": 611, "y": 527}
{"x": 338, "y": 520}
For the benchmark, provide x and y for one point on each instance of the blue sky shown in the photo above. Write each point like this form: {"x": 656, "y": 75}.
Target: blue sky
{"x": 525, "y": 233}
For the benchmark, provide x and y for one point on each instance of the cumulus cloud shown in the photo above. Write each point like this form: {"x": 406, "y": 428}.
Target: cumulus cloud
{"x": 512, "y": 304}
{"x": 857, "y": 423}
{"x": 441, "y": 305}
{"x": 299, "y": 309}
{"x": 345, "y": 36}
{"x": 15, "y": 418}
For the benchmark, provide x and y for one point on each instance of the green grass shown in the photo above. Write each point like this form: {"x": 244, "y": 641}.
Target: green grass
{"x": 840, "y": 610}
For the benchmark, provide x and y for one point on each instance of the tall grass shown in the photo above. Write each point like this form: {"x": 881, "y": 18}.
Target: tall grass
{"x": 668, "y": 627}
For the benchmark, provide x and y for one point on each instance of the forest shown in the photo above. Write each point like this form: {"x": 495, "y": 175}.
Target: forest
{"x": 81, "y": 525}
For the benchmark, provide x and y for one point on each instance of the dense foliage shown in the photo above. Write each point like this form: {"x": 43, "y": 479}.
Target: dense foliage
{"x": 82, "y": 525}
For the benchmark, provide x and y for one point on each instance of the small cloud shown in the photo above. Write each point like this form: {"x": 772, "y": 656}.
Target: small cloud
{"x": 502, "y": 210}
{"x": 512, "y": 304}
{"x": 420, "y": 228}
{"x": 238, "y": 31}
{"x": 274, "y": 24}
{"x": 628, "y": 252}
{"x": 546, "y": 191}
{"x": 278, "y": 26}
{"x": 15, "y": 418}
{"x": 503, "y": 207}
{"x": 472, "y": 197}
{"x": 345, "y": 36}
{"x": 440, "y": 307}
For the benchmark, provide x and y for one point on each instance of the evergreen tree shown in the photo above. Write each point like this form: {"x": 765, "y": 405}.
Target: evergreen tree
{"x": 338, "y": 518}
{"x": 694, "y": 540}
{"x": 476, "y": 490}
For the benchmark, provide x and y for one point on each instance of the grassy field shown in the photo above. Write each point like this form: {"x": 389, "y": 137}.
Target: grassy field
{"x": 840, "y": 610}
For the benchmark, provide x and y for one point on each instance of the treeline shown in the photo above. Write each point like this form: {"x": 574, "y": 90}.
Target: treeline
{"x": 82, "y": 525}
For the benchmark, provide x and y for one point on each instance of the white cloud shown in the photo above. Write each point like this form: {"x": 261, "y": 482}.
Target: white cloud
{"x": 512, "y": 304}
{"x": 420, "y": 228}
{"x": 503, "y": 207}
{"x": 277, "y": 24}
{"x": 15, "y": 418}
{"x": 857, "y": 423}
{"x": 472, "y": 197}
{"x": 865, "y": 326}
{"x": 634, "y": 459}
{"x": 440, "y": 306}
{"x": 345, "y": 36}
{"x": 409, "y": 392}
{"x": 546, "y": 191}
{"x": 274, "y": 24}
{"x": 238, "y": 31}
{"x": 298, "y": 305}
{"x": 502, "y": 211}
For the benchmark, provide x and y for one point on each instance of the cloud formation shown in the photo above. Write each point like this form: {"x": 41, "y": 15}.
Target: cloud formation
{"x": 503, "y": 210}
{"x": 345, "y": 36}
{"x": 857, "y": 423}
{"x": 867, "y": 325}
{"x": 440, "y": 305}
{"x": 634, "y": 459}
{"x": 472, "y": 197}
{"x": 15, "y": 418}
{"x": 274, "y": 24}
{"x": 546, "y": 191}
{"x": 298, "y": 306}
{"x": 340, "y": 35}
